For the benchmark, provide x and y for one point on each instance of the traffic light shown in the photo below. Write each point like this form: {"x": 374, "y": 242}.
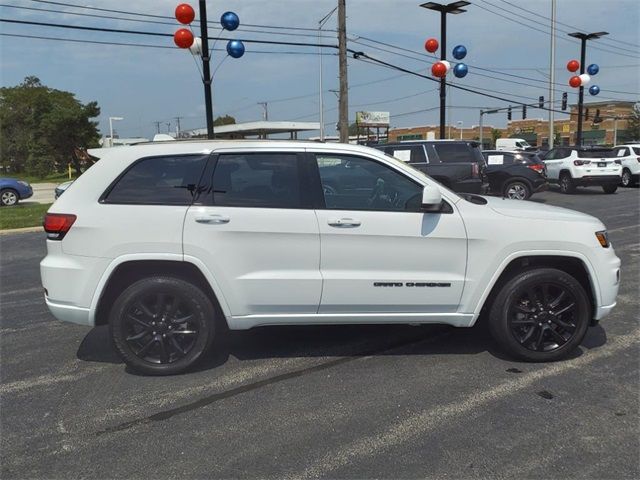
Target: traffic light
{"x": 524, "y": 112}
{"x": 586, "y": 114}
{"x": 509, "y": 114}
{"x": 540, "y": 101}
{"x": 564, "y": 101}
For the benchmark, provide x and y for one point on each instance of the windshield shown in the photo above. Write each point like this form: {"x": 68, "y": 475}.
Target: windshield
{"x": 522, "y": 144}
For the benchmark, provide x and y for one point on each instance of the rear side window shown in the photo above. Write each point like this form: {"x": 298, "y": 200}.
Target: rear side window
{"x": 167, "y": 180}
{"x": 262, "y": 180}
{"x": 454, "y": 153}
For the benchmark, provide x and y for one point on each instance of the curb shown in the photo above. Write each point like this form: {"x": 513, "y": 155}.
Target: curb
{"x": 21, "y": 230}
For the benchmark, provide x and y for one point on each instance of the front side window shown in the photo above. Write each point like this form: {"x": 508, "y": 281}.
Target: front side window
{"x": 356, "y": 183}
{"x": 261, "y": 180}
{"x": 166, "y": 180}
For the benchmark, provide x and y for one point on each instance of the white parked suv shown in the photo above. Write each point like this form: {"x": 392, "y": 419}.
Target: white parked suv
{"x": 573, "y": 167}
{"x": 629, "y": 156}
{"x": 169, "y": 244}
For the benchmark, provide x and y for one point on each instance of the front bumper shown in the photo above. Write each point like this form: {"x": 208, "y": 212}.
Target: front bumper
{"x": 26, "y": 193}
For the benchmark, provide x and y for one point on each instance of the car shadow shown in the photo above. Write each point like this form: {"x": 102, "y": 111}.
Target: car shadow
{"x": 335, "y": 341}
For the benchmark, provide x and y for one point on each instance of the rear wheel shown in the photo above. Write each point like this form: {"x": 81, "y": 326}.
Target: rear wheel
{"x": 162, "y": 325}
{"x": 610, "y": 188}
{"x": 540, "y": 315}
{"x": 517, "y": 190}
{"x": 8, "y": 197}
{"x": 566, "y": 183}
{"x": 627, "y": 179}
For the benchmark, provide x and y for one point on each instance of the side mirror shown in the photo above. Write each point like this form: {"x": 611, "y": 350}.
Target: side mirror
{"x": 431, "y": 199}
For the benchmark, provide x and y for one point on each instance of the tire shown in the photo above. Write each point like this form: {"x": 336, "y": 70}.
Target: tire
{"x": 9, "y": 197}
{"x": 608, "y": 189}
{"x": 517, "y": 190}
{"x": 566, "y": 183}
{"x": 627, "y": 179}
{"x": 540, "y": 315}
{"x": 144, "y": 328}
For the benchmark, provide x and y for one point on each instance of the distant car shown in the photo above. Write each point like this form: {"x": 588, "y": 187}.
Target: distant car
{"x": 12, "y": 191}
{"x": 575, "y": 166}
{"x": 629, "y": 155}
{"x": 60, "y": 189}
{"x": 456, "y": 164}
{"x": 516, "y": 175}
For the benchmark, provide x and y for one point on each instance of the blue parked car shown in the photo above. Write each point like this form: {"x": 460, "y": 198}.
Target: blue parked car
{"x": 12, "y": 191}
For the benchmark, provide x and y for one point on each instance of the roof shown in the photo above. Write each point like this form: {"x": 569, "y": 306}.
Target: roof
{"x": 259, "y": 128}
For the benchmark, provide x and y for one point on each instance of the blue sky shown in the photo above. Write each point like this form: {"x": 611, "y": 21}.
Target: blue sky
{"x": 144, "y": 85}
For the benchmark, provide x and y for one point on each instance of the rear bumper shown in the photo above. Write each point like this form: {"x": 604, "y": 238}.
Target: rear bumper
{"x": 597, "y": 180}
{"x": 69, "y": 313}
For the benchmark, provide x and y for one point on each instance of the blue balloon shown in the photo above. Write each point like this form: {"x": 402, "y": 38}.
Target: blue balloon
{"x": 235, "y": 48}
{"x": 460, "y": 70}
{"x": 594, "y": 89}
{"x": 459, "y": 52}
{"x": 593, "y": 69}
{"x": 229, "y": 21}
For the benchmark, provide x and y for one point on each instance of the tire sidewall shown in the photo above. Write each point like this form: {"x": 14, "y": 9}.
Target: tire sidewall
{"x": 498, "y": 319}
{"x": 9, "y": 190}
{"x": 626, "y": 174}
{"x": 565, "y": 183}
{"x": 198, "y": 301}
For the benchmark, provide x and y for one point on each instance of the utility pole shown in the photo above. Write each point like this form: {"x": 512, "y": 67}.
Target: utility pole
{"x": 168, "y": 124}
{"x": 453, "y": 8}
{"x": 177, "y": 119}
{"x": 552, "y": 75}
{"x": 206, "y": 72}
{"x": 265, "y": 115}
{"x": 320, "y": 92}
{"x": 157, "y": 124}
{"x": 583, "y": 37}
{"x": 343, "y": 102}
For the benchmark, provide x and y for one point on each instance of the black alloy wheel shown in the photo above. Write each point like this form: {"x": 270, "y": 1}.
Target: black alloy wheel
{"x": 543, "y": 317}
{"x": 162, "y": 325}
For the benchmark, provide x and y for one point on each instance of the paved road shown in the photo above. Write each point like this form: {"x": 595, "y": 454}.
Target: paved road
{"x": 42, "y": 193}
{"x": 339, "y": 402}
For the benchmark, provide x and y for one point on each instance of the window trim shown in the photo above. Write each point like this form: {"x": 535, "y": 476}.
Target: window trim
{"x": 104, "y": 197}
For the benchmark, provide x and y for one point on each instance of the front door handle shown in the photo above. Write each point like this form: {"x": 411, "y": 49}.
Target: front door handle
{"x": 344, "y": 223}
{"x": 213, "y": 219}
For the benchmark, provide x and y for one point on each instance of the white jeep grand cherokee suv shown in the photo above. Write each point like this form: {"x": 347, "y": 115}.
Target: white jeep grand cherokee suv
{"x": 171, "y": 243}
{"x": 573, "y": 167}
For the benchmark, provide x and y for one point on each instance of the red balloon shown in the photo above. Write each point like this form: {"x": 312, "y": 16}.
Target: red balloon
{"x": 438, "y": 69}
{"x": 431, "y": 45}
{"x": 573, "y": 65}
{"x": 185, "y": 13}
{"x": 575, "y": 81}
{"x": 183, "y": 38}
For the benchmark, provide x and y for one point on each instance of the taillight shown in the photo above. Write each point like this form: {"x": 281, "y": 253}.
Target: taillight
{"x": 577, "y": 163}
{"x": 538, "y": 167}
{"x": 57, "y": 225}
{"x": 638, "y": 159}
{"x": 475, "y": 170}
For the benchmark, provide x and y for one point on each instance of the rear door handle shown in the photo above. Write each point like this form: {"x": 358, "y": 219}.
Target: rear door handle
{"x": 344, "y": 222}
{"x": 213, "y": 219}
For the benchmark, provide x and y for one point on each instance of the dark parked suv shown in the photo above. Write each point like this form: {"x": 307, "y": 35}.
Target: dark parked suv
{"x": 456, "y": 164}
{"x": 516, "y": 175}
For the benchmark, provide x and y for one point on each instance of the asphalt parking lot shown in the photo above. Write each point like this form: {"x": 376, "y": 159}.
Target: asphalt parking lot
{"x": 336, "y": 402}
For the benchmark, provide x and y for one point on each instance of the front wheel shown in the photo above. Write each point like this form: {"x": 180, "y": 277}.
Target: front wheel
{"x": 162, "y": 325}
{"x": 517, "y": 190}
{"x": 610, "y": 188}
{"x": 540, "y": 315}
{"x": 8, "y": 197}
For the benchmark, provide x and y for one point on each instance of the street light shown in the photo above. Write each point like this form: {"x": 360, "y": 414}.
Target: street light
{"x": 583, "y": 37}
{"x": 453, "y": 8}
{"x": 460, "y": 123}
{"x": 111, "y": 119}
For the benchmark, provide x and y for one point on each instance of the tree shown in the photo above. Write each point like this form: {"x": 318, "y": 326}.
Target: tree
{"x": 632, "y": 133}
{"x": 495, "y": 135}
{"x": 226, "y": 120}
{"x": 40, "y": 128}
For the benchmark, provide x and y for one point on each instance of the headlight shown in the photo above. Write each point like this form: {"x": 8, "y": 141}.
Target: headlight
{"x": 603, "y": 238}
{"x": 26, "y": 184}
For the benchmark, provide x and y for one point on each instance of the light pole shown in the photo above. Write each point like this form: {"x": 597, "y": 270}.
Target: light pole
{"x": 111, "y": 119}
{"x": 454, "y": 9}
{"x": 583, "y": 53}
{"x": 460, "y": 123}
{"x": 321, "y": 23}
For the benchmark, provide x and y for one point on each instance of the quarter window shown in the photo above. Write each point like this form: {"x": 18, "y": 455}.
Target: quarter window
{"x": 263, "y": 180}
{"x": 356, "y": 183}
{"x": 169, "y": 180}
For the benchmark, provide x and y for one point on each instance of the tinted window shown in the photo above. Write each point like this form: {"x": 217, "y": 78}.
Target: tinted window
{"x": 170, "y": 180}
{"x": 355, "y": 183}
{"x": 269, "y": 180}
{"x": 454, "y": 153}
{"x": 636, "y": 150}
{"x": 605, "y": 153}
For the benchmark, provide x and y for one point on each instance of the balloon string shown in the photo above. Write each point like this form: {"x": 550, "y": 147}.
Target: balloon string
{"x": 219, "y": 65}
